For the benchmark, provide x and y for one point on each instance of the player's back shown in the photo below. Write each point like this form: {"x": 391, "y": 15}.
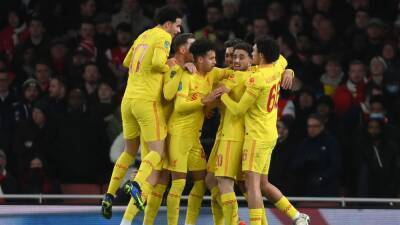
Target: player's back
{"x": 261, "y": 118}
{"x": 145, "y": 79}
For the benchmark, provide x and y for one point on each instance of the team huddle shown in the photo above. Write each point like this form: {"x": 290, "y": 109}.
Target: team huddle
{"x": 163, "y": 109}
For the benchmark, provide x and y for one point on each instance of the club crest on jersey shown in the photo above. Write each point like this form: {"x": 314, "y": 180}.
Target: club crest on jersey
{"x": 180, "y": 86}
{"x": 172, "y": 74}
{"x": 166, "y": 44}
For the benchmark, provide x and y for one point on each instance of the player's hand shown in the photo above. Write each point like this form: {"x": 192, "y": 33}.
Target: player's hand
{"x": 171, "y": 62}
{"x": 223, "y": 89}
{"x": 211, "y": 97}
{"x": 287, "y": 80}
{"x": 190, "y": 67}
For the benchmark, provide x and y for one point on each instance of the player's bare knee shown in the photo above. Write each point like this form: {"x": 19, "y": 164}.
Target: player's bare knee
{"x": 211, "y": 181}
{"x": 225, "y": 184}
{"x": 177, "y": 175}
{"x": 164, "y": 177}
{"x": 132, "y": 146}
{"x": 157, "y": 146}
{"x": 198, "y": 175}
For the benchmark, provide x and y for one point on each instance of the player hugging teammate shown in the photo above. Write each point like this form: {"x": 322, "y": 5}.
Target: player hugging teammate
{"x": 163, "y": 109}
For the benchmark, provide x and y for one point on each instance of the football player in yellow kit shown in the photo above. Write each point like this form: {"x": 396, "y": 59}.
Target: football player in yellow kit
{"x": 259, "y": 107}
{"x": 182, "y": 57}
{"x": 185, "y": 152}
{"x": 211, "y": 181}
{"x": 141, "y": 106}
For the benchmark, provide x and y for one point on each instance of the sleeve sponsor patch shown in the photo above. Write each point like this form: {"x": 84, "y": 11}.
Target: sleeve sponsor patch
{"x": 166, "y": 44}
{"x": 180, "y": 86}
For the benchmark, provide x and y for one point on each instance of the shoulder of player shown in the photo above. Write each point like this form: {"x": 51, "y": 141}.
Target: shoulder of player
{"x": 255, "y": 79}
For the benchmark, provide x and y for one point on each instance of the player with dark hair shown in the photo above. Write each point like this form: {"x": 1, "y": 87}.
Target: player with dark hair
{"x": 141, "y": 108}
{"x": 183, "y": 58}
{"x": 185, "y": 152}
{"x": 259, "y": 107}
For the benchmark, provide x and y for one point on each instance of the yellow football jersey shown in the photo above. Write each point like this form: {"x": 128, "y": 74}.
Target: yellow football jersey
{"x": 259, "y": 102}
{"x": 146, "y": 61}
{"x": 188, "y": 114}
{"x": 233, "y": 125}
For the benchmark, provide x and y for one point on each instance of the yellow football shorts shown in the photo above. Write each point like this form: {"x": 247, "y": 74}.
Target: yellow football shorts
{"x": 212, "y": 157}
{"x": 141, "y": 117}
{"x": 229, "y": 159}
{"x": 256, "y": 155}
{"x": 185, "y": 154}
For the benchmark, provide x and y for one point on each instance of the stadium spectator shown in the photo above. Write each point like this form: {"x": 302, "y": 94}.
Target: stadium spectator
{"x": 81, "y": 144}
{"x": 213, "y": 15}
{"x": 23, "y": 108}
{"x": 258, "y": 28}
{"x": 377, "y": 157}
{"x": 8, "y": 184}
{"x": 280, "y": 173}
{"x": 131, "y": 13}
{"x": 57, "y": 97}
{"x": 104, "y": 31}
{"x": 349, "y": 95}
{"x": 91, "y": 78}
{"x": 296, "y": 24}
{"x": 276, "y": 17}
{"x": 42, "y": 74}
{"x": 7, "y": 99}
{"x": 32, "y": 137}
{"x": 116, "y": 55}
{"x": 318, "y": 161}
{"x": 106, "y": 108}
{"x": 37, "y": 38}
{"x": 36, "y": 179}
{"x": 14, "y": 33}
{"x": 59, "y": 56}
{"x": 332, "y": 77}
{"x": 86, "y": 40}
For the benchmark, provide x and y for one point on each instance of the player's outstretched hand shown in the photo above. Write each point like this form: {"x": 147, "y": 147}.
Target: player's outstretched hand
{"x": 190, "y": 67}
{"x": 287, "y": 80}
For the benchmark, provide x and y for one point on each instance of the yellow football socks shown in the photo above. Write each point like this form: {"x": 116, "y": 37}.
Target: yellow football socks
{"x": 119, "y": 171}
{"x": 173, "y": 200}
{"x": 194, "y": 202}
{"x": 255, "y": 216}
{"x": 216, "y": 208}
{"x": 230, "y": 208}
{"x": 264, "y": 220}
{"x": 130, "y": 211}
{"x": 150, "y": 161}
{"x": 153, "y": 204}
{"x": 287, "y": 208}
